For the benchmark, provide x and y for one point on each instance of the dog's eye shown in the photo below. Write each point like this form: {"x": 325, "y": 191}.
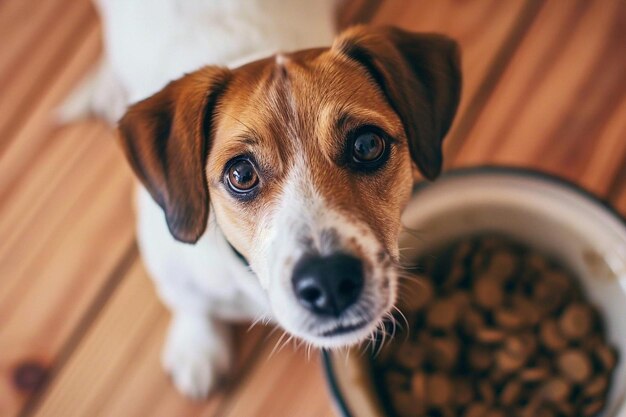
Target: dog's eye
{"x": 368, "y": 147}
{"x": 242, "y": 176}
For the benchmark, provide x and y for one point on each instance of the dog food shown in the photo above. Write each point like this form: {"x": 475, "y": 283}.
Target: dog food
{"x": 495, "y": 330}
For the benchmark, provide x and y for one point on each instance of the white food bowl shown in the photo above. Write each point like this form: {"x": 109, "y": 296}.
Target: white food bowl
{"x": 544, "y": 212}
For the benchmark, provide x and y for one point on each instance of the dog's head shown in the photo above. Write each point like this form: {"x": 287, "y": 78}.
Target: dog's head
{"x": 306, "y": 159}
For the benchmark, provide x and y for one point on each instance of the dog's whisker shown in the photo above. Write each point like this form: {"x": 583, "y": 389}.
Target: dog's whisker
{"x": 281, "y": 343}
{"x": 378, "y": 343}
{"x": 277, "y": 344}
{"x": 410, "y": 281}
{"x": 363, "y": 348}
{"x": 309, "y": 347}
{"x": 394, "y": 323}
{"x": 285, "y": 343}
{"x": 406, "y": 321}
{"x": 413, "y": 279}
{"x": 369, "y": 344}
{"x": 347, "y": 355}
{"x": 404, "y": 268}
{"x": 271, "y": 333}
{"x": 406, "y": 291}
{"x": 407, "y": 248}
{"x": 383, "y": 334}
{"x": 258, "y": 320}
{"x": 417, "y": 234}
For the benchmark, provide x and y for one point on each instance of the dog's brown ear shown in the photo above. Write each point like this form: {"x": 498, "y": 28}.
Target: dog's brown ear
{"x": 165, "y": 138}
{"x": 420, "y": 76}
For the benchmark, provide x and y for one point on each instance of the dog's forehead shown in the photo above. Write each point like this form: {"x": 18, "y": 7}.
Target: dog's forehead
{"x": 312, "y": 79}
{"x": 297, "y": 99}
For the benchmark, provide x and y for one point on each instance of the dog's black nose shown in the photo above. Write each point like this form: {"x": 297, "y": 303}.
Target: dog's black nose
{"x": 328, "y": 285}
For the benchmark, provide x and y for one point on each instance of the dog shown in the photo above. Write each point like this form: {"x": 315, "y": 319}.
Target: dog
{"x": 273, "y": 190}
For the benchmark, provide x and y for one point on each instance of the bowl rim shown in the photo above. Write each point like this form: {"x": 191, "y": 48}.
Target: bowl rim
{"x": 511, "y": 171}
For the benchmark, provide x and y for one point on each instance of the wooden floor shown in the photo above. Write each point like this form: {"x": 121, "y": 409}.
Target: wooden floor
{"x": 80, "y": 327}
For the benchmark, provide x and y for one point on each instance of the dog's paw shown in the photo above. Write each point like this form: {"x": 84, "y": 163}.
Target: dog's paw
{"x": 196, "y": 354}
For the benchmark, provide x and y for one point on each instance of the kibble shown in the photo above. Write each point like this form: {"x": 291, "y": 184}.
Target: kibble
{"x": 575, "y": 365}
{"x": 496, "y": 330}
{"x": 576, "y": 321}
{"x": 597, "y": 386}
{"x": 442, "y": 314}
{"x": 556, "y": 390}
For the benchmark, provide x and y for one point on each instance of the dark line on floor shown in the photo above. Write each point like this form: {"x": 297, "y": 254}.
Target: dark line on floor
{"x": 236, "y": 384}
{"x": 618, "y": 184}
{"x": 93, "y": 312}
{"x": 491, "y": 79}
{"x": 56, "y": 64}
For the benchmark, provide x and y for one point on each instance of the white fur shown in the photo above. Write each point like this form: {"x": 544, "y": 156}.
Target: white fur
{"x": 147, "y": 44}
{"x": 151, "y": 42}
{"x": 303, "y": 215}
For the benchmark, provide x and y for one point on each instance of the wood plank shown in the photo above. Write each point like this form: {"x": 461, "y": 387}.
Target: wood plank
{"x": 24, "y": 148}
{"x": 617, "y": 195}
{"x": 38, "y": 69}
{"x": 560, "y": 98}
{"x": 116, "y": 340}
{"x": 63, "y": 150}
{"x": 607, "y": 163}
{"x": 115, "y": 368}
{"x": 283, "y": 382}
{"x": 488, "y": 33}
{"x": 22, "y": 25}
{"x": 162, "y": 399}
{"x": 620, "y": 202}
{"x": 13, "y": 14}
{"x": 356, "y": 12}
{"x": 41, "y": 206}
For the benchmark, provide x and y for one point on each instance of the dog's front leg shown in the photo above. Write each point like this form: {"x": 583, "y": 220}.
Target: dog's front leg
{"x": 197, "y": 352}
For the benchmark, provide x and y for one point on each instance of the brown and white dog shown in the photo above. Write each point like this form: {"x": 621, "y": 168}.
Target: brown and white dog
{"x": 274, "y": 190}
